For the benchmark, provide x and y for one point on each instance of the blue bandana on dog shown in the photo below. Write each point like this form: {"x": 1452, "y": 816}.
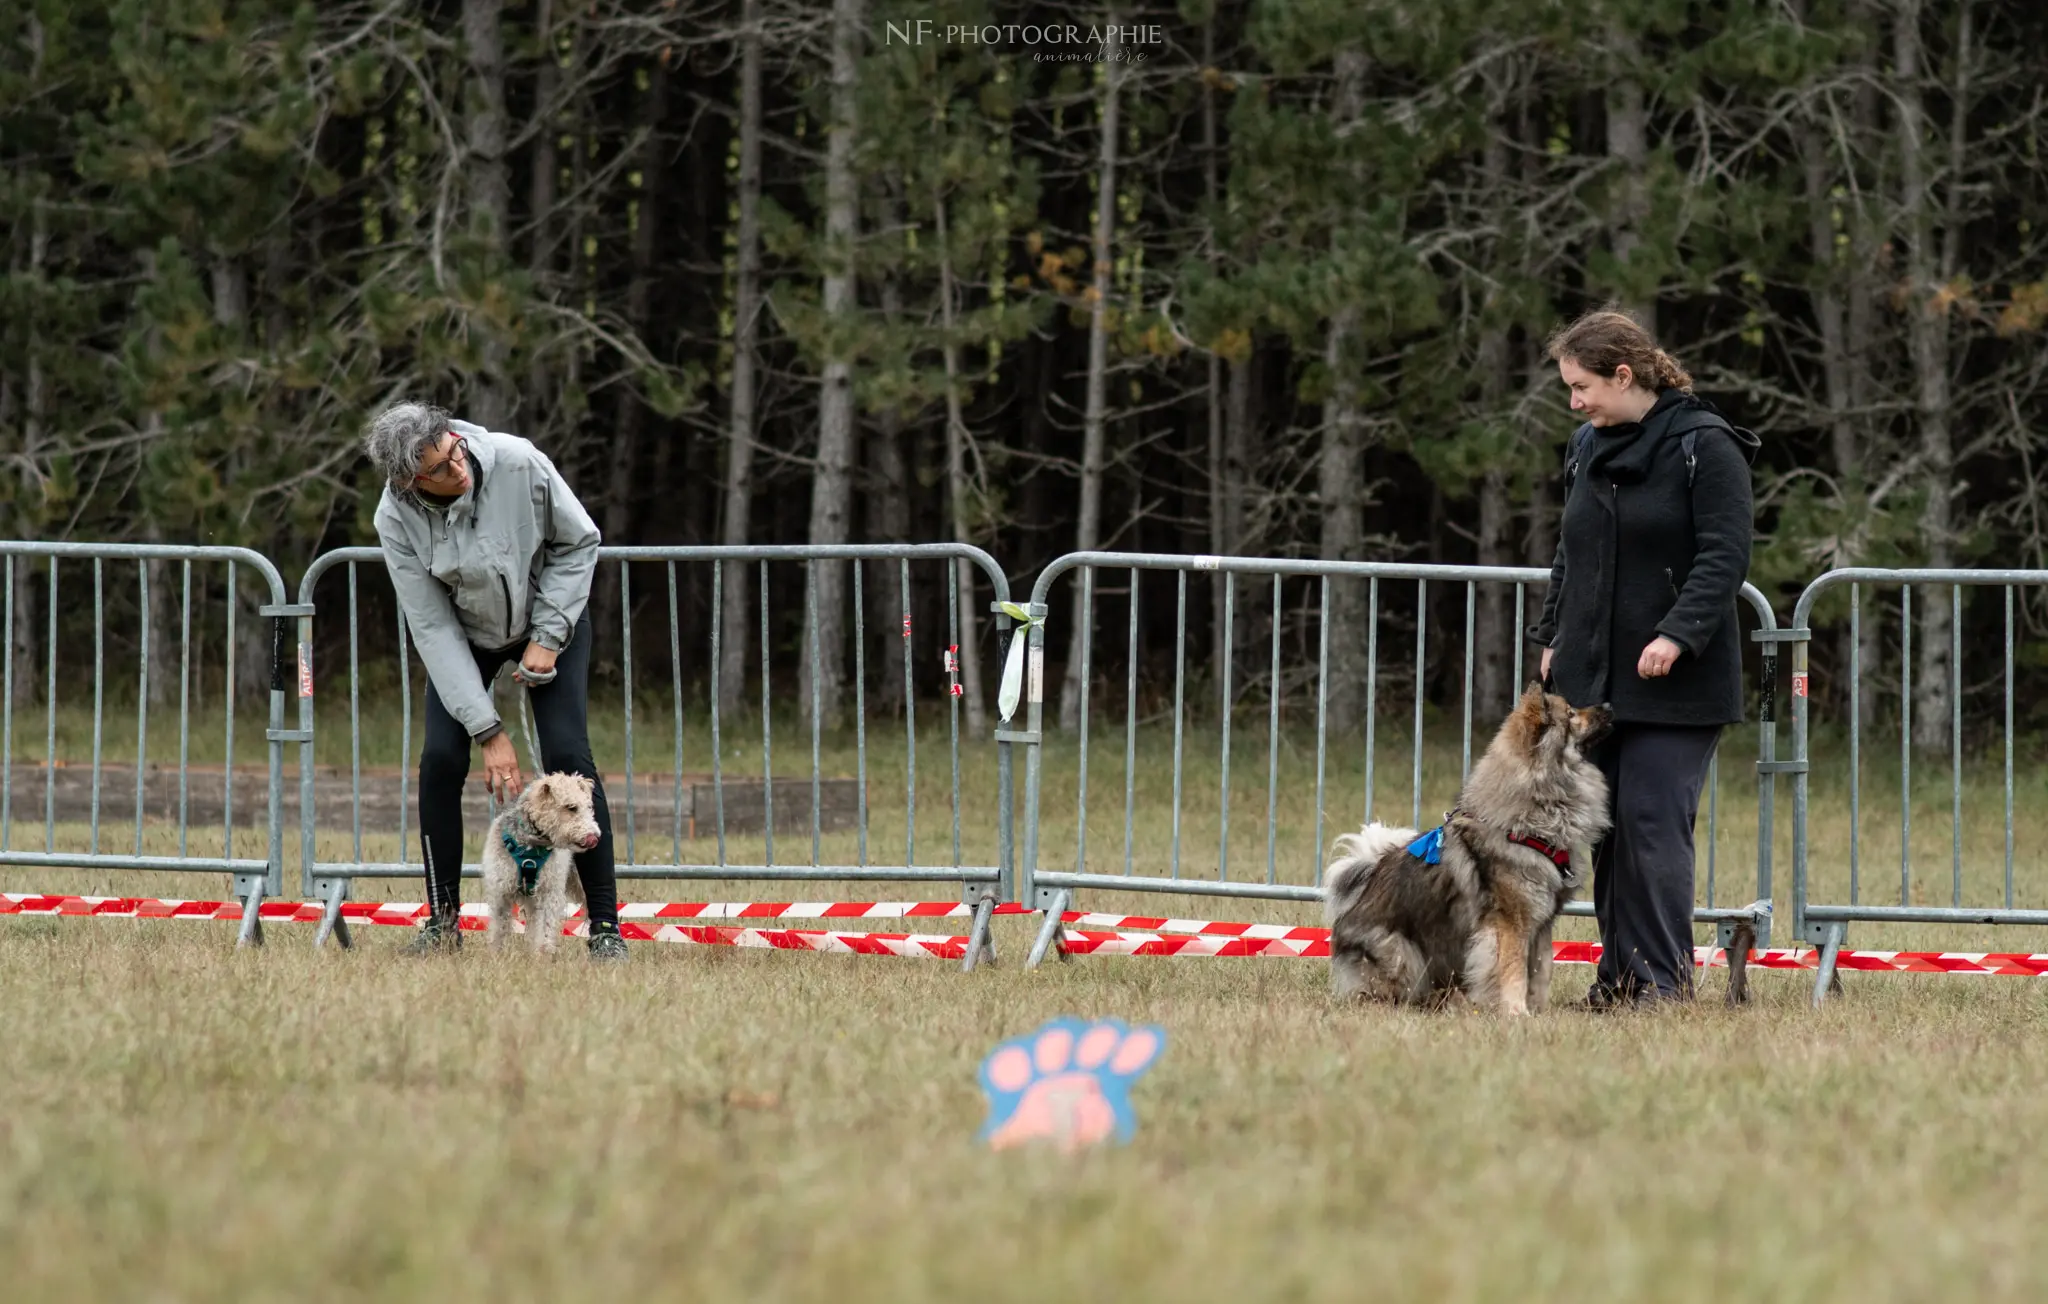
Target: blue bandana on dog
{"x": 1429, "y": 848}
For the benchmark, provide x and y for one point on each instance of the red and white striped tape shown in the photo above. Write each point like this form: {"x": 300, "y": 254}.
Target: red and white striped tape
{"x": 1090, "y": 942}
{"x": 21, "y": 903}
{"x": 921, "y": 946}
{"x": 1197, "y": 927}
{"x": 413, "y": 913}
{"x": 1229, "y": 940}
{"x": 474, "y": 916}
{"x": 809, "y": 910}
{"x": 1106, "y": 935}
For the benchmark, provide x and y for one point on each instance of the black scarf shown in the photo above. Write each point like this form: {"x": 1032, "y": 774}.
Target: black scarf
{"x": 1620, "y": 454}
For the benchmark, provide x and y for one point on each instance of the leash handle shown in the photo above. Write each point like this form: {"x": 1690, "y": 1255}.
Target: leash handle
{"x": 526, "y": 725}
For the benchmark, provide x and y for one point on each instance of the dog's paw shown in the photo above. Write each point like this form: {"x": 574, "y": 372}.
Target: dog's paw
{"x": 1068, "y": 1083}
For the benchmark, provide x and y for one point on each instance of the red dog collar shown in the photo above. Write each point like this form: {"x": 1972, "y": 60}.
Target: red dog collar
{"x": 1560, "y": 856}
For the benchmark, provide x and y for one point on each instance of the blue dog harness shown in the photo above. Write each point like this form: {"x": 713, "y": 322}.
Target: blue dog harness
{"x": 529, "y": 859}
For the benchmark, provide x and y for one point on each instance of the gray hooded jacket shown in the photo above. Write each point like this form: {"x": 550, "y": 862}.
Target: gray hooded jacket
{"x": 510, "y": 560}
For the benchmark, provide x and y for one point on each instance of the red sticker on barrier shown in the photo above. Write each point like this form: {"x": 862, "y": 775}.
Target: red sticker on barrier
{"x": 906, "y": 624}
{"x": 1799, "y": 684}
{"x": 958, "y": 691}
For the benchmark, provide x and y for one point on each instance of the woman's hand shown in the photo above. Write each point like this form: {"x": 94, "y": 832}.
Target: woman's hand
{"x": 1543, "y": 672}
{"x": 1658, "y": 658}
{"x": 538, "y": 661}
{"x": 501, "y": 768}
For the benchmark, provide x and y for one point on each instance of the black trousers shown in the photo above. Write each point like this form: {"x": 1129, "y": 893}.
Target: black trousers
{"x": 561, "y": 714}
{"x": 1643, "y": 868}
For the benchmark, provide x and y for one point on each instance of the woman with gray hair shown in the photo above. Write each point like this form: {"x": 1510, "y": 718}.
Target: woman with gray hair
{"x": 492, "y": 557}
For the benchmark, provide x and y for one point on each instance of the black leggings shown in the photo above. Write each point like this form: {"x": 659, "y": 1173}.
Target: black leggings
{"x": 1643, "y": 870}
{"x": 561, "y": 713}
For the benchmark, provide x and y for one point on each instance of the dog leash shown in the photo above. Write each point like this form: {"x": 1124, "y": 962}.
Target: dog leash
{"x": 530, "y": 681}
{"x": 527, "y": 680}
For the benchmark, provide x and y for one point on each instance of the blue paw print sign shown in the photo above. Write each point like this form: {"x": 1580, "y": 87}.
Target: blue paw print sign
{"x": 1068, "y": 1083}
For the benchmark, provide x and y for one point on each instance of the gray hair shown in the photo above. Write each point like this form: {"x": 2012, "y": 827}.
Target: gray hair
{"x": 398, "y": 439}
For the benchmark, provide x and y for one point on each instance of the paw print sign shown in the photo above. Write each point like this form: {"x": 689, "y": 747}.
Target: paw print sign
{"x": 1068, "y": 1083}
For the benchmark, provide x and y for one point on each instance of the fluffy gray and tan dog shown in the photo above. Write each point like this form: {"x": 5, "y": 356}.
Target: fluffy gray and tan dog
{"x": 1473, "y": 912}
{"x": 529, "y": 857}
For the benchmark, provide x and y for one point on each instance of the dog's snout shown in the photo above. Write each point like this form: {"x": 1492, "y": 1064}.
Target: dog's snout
{"x": 587, "y": 843}
{"x": 1597, "y": 723}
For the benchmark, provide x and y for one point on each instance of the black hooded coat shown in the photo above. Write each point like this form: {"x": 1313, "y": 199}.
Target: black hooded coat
{"x": 1655, "y": 539}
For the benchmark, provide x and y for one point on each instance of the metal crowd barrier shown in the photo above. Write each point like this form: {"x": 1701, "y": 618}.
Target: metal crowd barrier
{"x": 253, "y": 879}
{"x": 1828, "y": 892}
{"x": 1053, "y": 890}
{"x": 1820, "y": 914}
{"x": 983, "y": 884}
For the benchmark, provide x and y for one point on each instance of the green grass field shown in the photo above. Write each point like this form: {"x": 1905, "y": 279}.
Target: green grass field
{"x": 186, "y": 1122}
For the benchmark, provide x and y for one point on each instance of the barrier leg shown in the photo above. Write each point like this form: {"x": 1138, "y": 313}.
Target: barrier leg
{"x": 1049, "y": 932}
{"x": 1827, "y": 980}
{"x": 979, "y": 941}
{"x": 252, "y": 915}
{"x": 331, "y": 921}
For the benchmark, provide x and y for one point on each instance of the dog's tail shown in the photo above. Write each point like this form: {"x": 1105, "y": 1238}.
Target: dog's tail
{"x": 1352, "y": 858}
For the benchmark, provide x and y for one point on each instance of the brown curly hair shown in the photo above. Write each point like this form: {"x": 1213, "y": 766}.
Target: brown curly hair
{"x": 1605, "y": 340}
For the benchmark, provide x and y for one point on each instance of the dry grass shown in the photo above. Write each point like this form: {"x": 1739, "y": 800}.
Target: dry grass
{"x": 184, "y": 1122}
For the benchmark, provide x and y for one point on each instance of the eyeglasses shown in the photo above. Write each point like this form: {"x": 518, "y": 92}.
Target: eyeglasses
{"x": 458, "y": 454}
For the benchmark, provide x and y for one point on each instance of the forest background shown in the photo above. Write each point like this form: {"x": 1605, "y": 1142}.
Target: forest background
{"x": 1243, "y": 278}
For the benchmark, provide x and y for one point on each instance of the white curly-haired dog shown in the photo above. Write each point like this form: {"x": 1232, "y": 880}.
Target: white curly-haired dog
{"x": 529, "y": 857}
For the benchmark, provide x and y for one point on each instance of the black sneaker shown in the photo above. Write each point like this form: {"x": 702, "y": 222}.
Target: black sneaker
{"x": 608, "y": 947}
{"x": 436, "y": 936}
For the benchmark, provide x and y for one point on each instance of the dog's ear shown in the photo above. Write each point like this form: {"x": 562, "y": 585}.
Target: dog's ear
{"x": 544, "y": 786}
{"x": 1528, "y": 717}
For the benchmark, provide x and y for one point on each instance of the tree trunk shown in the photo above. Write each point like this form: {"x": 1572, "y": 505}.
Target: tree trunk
{"x": 1844, "y": 329}
{"x": 1861, "y": 326}
{"x": 1095, "y": 418}
{"x": 1494, "y": 637}
{"x": 888, "y": 521}
{"x": 230, "y": 291}
{"x": 1829, "y": 314}
{"x": 230, "y": 277}
{"x": 1221, "y": 541}
{"x": 1493, "y": 632}
{"x": 888, "y": 510}
{"x": 1928, "y": 271}
{"x": 832, "y": 481}
{"x": 162, "y": 631}
{"x": 1240, "y": 430}
{"x": 958, "y": 488}
{"x": 739, "y": 452}
{"x": 623, "y": 469}
{"x": 1628, "y": 148}
{"x": 540, "y": 195}
{"x": 1539, "y": 539}
{"x": 1340, "y": 487}
{"x": 490, "y": 193}
{"x": 34, "y": 410}
{"x": 580, "y": 282}
{"x": 25, "y": 627}
{"x": 277, "y": 272}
